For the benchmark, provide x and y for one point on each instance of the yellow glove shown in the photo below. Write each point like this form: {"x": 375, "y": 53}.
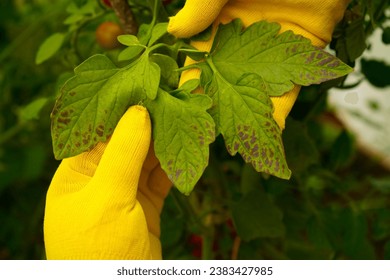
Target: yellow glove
{"x": 312, "y": 19}
{"x": 106, "y": 203}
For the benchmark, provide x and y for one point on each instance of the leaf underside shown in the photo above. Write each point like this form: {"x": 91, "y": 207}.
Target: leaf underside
{"x": 243, "y": 71}
{"x": 182, "y": 133}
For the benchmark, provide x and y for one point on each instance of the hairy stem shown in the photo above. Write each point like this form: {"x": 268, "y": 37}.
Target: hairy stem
{"x": 125, "y": 15}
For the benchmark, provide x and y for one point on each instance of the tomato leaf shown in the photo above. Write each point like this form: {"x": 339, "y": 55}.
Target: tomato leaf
{"x": 159, "y": 30}
{"x": 281, "y": 60}
{"x": 49, "y": 47}
{"x": 182, "y": 132}
{"x": 246, "y": 67}
{"x": 243, "y": 115}
{"x": 92, "y": 102}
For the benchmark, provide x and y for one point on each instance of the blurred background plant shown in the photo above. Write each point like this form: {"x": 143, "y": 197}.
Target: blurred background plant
{"x": 336, "y": 206}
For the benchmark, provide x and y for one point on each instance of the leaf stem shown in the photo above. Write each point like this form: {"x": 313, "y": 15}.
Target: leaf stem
{"x": 159, "y": 45}
{"x": 236, "y": 247}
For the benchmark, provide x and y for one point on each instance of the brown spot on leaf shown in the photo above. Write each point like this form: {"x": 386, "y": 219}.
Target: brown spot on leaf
{"x": 100, "y": 130}
{"x": 64, "y": 121}
{"x": 325, "y": 61}
{"x": 309, "y": 59}
{"x": 178, "y": 173}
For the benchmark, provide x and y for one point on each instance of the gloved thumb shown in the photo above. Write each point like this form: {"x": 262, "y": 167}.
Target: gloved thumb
{"x": 120, "y": 166}
{"x": 195, "y": 17}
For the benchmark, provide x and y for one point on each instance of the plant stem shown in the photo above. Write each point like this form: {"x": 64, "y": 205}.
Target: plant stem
{"x": 236, "y": 247}
{"x": 125, "y": 15}
{"x": 207, "y": 244}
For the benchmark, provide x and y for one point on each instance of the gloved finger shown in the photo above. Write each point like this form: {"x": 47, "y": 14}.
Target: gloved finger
{"x": 120, "y": 166}
{"x": 74, "y": 173}
{"x": 154, "y": 186}
{"x": 86, "y": 162}
{"x": 283, "y": 105}
{"x": 195, "y": 17}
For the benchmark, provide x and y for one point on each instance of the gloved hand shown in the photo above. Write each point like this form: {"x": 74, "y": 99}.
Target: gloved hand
{"x": 106, "y": 203}
{"x": 312, "y": 19}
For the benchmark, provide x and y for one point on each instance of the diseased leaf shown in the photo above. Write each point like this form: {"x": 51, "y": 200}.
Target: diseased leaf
{"x": 242, "y": 71}
{"x": 281, "y": 60}
{"x": 182, "y": 132}
{"x": 243, "y": 115}
{"x": 93, "y": 101}
{"x": 245, "y": 68}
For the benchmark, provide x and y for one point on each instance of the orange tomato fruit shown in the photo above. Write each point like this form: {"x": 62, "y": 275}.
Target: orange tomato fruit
{"x": 107, "y": 33}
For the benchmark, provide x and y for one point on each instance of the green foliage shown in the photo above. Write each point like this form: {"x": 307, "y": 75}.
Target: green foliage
{"x": 182, "y": 133}
{"x": 242, "y": 80}
{"x": 335, "y": 204}
{"x": 49, "y": 47}
{"x": 376, "y": 72}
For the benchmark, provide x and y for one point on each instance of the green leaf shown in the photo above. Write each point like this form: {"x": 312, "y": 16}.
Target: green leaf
{"x": 246, "y": 67}
{"x": 386, "y": 35}
{"x": 342, "y": 151}
{"x": 182, "y": 132}
{"x": 301, "y": 151}
{"x": 93, "y": 101}
{"x": 49, "y": 47}
{"x": 280, "y": 60}
{"x": 32, "y": 110}
{"x": 144, "y": 33}
{"x": 256, "y": 216}
{"x": 377, "y": 72}
{"x": 130, "y": 53}
{"x": 348, "y": 231}
{"x": 350, "y": 39}
{"x": 159, "y": 30}
{"x": 74, "y": 18}
{"x": 128, "y": 40}
{"x": 243, "y": 115}
{"x": 381, "y": 184}
{"x": 190, "y": 85}
{"x": 147, "y": 76}
{"x": 168, "y": 66}
{"x": 205, "y": 35}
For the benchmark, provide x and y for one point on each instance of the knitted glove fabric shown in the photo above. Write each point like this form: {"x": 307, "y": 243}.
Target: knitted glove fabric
{"x": 312, "y": 19}
{"x": 106, "y": 203}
